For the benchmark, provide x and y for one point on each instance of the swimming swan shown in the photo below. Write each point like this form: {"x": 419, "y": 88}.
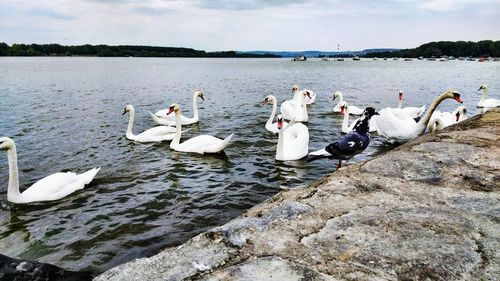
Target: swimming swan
{"x": 161, "y": 117}
{"x": 485, "y": 102}
{"x": 296, "y": 109}
{"x": 53, "y": 187}
{"x": 270, "y": 126}
{"x": 346, "y": 128}
{"x": 353, "y": 110}
{"x": 440, "y": 120}
{"x": 296, "y": 92}
{"x": 156, "y": 134}
{"x": 199, "y": 144}
{"x": 293, "y": 140}
{"x": 397, "y": 127}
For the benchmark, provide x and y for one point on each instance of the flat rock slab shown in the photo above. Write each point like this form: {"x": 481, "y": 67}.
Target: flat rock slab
{"x": 428, "y": 210}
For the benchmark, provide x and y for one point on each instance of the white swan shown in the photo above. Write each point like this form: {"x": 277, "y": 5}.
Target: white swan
{"x": 308, "y": 100}
{"x": 293, "y": 140}
{"x": 346, "y": 128}
{"x": 397, "y": 127}
{"x": 53, "y": 187}
{"x": 296, "y": 109}
{"x": 413, "y": 112}
{"x": 199, "y": 144}
{"x": 440, "y": 120}
{"x": 161, "y": 117}
{"x": 485, "y": 102}
{"x": 270, "y": 126}
{"x": 156, "y": 134}
{"x": 353, "y": 110}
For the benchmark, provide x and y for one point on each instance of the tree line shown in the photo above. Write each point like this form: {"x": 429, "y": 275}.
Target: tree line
{"x": 117, "y": 51}
{"x": 484, "y": 48}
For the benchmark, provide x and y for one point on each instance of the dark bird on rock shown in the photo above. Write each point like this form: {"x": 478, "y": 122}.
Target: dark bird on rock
{"x": 349, "y": 145}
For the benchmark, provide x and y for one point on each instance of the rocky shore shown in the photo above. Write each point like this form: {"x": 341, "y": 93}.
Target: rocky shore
{"x": 428, "y": 210}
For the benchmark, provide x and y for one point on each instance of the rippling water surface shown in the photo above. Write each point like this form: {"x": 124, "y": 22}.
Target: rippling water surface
{"x": 65, "y": 114}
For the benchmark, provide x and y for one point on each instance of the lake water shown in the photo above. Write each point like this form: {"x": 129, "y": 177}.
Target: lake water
{"x": 66, "y": 114}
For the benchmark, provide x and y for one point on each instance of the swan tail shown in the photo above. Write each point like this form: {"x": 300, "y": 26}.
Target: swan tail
{"x": 422, "y": 111}
{"x": 88, "y": 176}
{"x": 226, "y": 141}
{"x": 159, "y": 120}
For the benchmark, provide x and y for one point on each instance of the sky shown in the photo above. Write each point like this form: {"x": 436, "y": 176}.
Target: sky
{"x": 244, "y": 25}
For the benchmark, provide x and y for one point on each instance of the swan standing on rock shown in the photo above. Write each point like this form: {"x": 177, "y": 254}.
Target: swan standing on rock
{"x": 346, "y": 128}
{"x": 296, "y": 109}
{"x": 485, "y": 101}
{"x": 161, "y": 117}
{"x": 353, "y": 110}
{"x": 440, "y": 120}
{"x": 270, "y": 126}
{"x": 397, "y": 127}
{"x": 199, "y": 144}
{"x": 355, "y": 142}
{"x": 308, "y": 100}
{"x": 156, "y": 134}
{"x": 293, "y": 140}
{"x": 53, "y": 187}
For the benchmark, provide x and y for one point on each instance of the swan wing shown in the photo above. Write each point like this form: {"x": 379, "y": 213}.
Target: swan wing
{"x": 393, "y": 126}
{"x": 296, "y": 143}
{"x": 156, "y": 134}
{"x": 290, "y": 109}
{"x": 491, "y": 103}
{"x": 161, "y": 113}
{"x": 162, "y": 120}
{"x": 354, "y": 110}
{"x": 57, "y": 186}
{"x": 203, "y": 144}
{"x": 413, "y": 112}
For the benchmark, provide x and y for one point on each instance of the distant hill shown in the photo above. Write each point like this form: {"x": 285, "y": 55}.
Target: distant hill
{"x": 313, "y": 54}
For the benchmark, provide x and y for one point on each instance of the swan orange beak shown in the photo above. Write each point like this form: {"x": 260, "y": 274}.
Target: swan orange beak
{"x": 280, "y": 123}
{"x": 457, "y": 98}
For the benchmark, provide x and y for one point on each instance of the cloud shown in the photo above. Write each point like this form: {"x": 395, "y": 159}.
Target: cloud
{"x": 239, "y": 5}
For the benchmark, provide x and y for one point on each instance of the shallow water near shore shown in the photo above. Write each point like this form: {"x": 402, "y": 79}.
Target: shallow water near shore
{"x": 65, "y": 114}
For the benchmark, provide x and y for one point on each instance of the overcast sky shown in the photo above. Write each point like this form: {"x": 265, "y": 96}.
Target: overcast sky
{"x": 249, "y": 24}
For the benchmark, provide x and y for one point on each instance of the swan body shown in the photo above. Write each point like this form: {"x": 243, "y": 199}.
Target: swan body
{"x": 270, "y": 126}
{"x": 199, "y": 144}
{"x": 156, "y": 134}
{"x": 398, "y": 127}
{"x": 485, "y": 101}
{"x": 353, "y": 143}
{"x": 161, "y": 117}
{"x": 346, "y": 128}
{"x": 296, "y": 109}
{"x": 353, "y": 110}
{"x": 293, "y": 140}
{"x": 308, "y": 99}
{"x": 52, "y": 187}
{"x": 440, "y": 120}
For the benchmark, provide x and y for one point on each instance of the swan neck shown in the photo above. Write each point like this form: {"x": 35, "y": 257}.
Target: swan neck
{"x": 129, "y": 133}
{"x": 485, "y": 94}
{"x": 178, "y": 132}
{"x": 341, "y": 99}
{"x": 13, "y": 194}
{"x": 195, "y": 107}
{"x": 422, "y": 124}
{"x": 281, "y": 143}
{"x": 400, "y": 103}
{"x": 345, "y": 122}
{"x": 273, "y": 113}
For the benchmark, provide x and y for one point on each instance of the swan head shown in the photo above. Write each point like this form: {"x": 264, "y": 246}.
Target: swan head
{"x": 400, "y": 93}
{"x": 343, "y": 107}
{"x": 483, "y": 87}
{"x": 6, "y": 143}
{"x": 295, "y": 88}
{"x": 280, "y": 121}
{"x": 307, "y": 94}
{"x": 460, "y": 111}
{"x": 336, "y": 94}
{"x": 267, "y": 100}
{"x": 173, "y": 108}
{"x": 453, "y": 94}
{"x": 199, "y": 94}
{"x": 127, "y": 108}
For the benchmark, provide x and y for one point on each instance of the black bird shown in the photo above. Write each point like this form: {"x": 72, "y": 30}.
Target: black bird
{"x": 349, "y": 145}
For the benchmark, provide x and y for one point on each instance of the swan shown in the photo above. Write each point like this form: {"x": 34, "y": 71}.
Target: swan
{"x": 349, "y": 145}
{"x": 346, "y": 128}
{"x": 397, "y": 127}
{"x": 440, "y": 120}
{"x": 296, "y": 109}
{"x": 293, "y": 140}
{"x": 353, "y": 110}
{"x": 485, "y": 102}
{"x": 53, "y": 187}
{"x": 270, "y": 126}
{"x": 413, "y": 112}
{"x": 307, "y": 100}
{"x": 199, "y": 144}
{"x": 156, "y": 134}
{"x": 161, "y": 117}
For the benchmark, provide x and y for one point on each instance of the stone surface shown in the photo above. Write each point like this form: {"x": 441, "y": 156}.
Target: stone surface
{"x": 428, "y": 210}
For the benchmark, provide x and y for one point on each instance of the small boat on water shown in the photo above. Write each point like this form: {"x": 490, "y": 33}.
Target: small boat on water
{"x": 408, "y": 59}
{"x": 375, "y": 58}
{"x": 385, "y": 58}
{"x": 340, "y": 59}
{"x": 324, "y": 59}
{"x": 299, "y": 58}
{"x": 395, "y": 58}
{"x": 471, "y": 59}
{"x": 433, "y": 58}
{"x": 356, "y": 58}
{"x": 420, "y": 58}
